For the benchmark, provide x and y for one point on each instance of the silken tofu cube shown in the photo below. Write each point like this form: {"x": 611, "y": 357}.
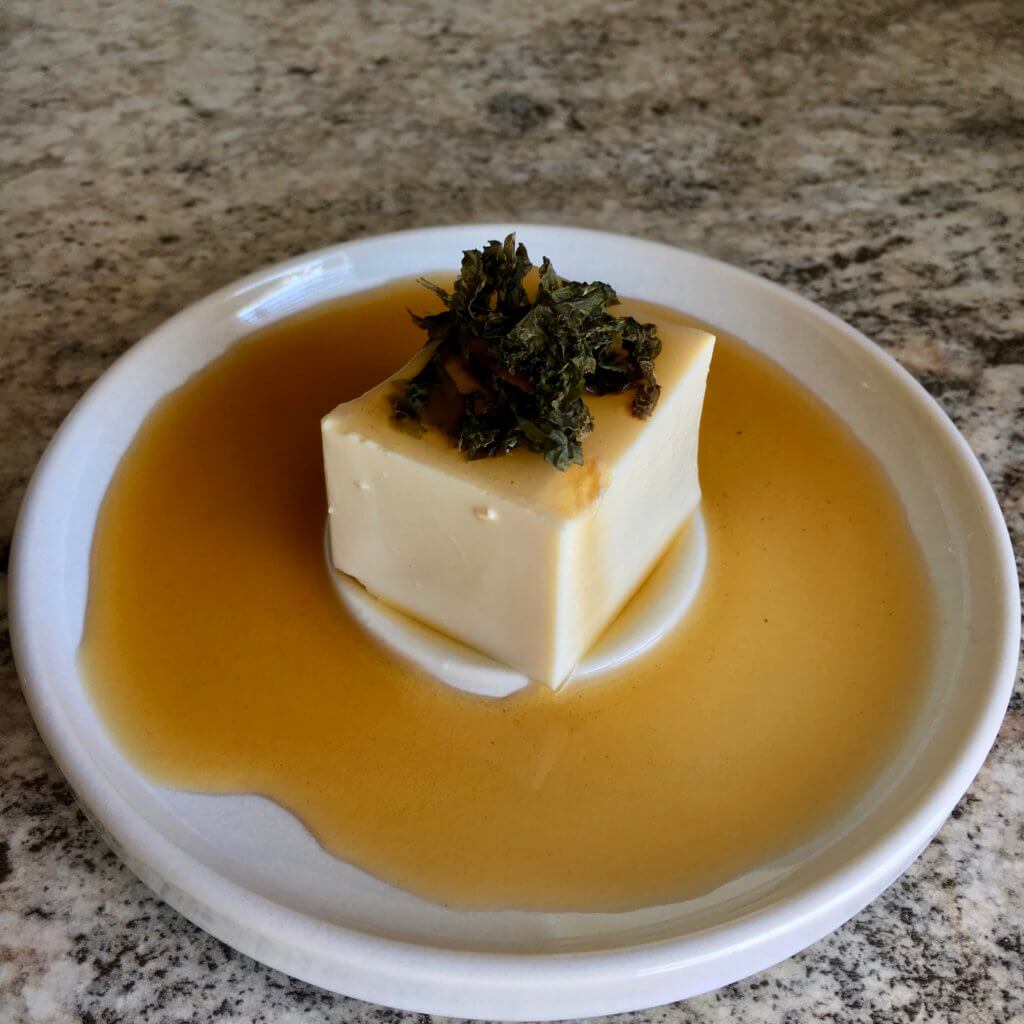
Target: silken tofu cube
{"x": 508, "y": 555}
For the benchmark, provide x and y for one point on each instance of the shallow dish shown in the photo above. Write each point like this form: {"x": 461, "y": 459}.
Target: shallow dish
{"x": 285, "y": 901}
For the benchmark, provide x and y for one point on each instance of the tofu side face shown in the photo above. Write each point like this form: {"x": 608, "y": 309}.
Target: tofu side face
{"x": 652, "y": 490}
{"x": 469, "y": 563}
{"x": 507, "y": 555}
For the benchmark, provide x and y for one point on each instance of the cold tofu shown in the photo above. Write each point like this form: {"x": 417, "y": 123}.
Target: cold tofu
{"x": 508, "y": 555}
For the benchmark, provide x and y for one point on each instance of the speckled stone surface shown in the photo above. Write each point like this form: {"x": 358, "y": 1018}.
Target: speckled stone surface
{"x": 869, "y": 155}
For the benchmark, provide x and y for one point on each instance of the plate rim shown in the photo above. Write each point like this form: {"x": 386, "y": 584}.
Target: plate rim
{"x": 411, "y": 975}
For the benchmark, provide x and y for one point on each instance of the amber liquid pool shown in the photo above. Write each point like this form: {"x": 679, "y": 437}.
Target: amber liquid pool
{"x": 222, "y": 661}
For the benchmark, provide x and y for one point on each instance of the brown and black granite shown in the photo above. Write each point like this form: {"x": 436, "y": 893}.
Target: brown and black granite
{"x": 869, "y": 156}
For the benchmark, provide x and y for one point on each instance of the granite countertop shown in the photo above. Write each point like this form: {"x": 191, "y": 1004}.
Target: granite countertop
{"x": 870, "y": 156}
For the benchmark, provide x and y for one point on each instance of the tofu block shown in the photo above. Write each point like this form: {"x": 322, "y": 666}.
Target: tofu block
{"x": 507, "y": 555}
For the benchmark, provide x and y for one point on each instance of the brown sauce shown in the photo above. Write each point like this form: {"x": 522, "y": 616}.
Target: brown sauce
{"x": 222, "y": 661}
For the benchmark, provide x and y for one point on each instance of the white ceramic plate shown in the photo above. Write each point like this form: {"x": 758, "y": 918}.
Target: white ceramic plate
{"x": 281, "y": 899}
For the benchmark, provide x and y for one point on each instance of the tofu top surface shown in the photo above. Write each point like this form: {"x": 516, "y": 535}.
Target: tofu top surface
{"x": 523, "y": 477}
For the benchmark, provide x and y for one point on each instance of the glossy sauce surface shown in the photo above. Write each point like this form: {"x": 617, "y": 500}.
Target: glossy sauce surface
{"x": 222, "y": 661}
